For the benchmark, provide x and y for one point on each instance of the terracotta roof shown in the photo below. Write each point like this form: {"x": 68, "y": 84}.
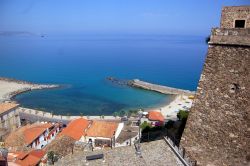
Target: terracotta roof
{"x": 30, "y": 159}
{"x": 34, "y": 131}
{"x": 155, "y": 116}
{"x": 102, "y": 129}
{"x": 12, "y": 155}
{"x": 76, "y": 128}
{"x": 4, "y": 107}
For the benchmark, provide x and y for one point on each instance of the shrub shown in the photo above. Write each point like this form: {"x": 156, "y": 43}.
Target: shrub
{"x": 181, "y": 115}
{"x": 145, "y": 125}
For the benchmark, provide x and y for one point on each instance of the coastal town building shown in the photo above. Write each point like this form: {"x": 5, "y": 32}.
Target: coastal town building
{"x": 9, "y": 116}
{"x": 32, "y": 158}
{"x": 128, "y": 136}
{"x": 39, "y": 136}
{"x": 76, "y": 128}
{"x": 34, "y": 136}
{"x": 217, "y": 129}
{"x": 154, "y": 118}
{"x": 103, "y": 133}
{"x": 3, "y": 155}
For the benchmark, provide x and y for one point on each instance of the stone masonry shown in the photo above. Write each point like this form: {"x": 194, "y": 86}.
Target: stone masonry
{"x": 217, "y": 130}
{"x": 230, "y": 14}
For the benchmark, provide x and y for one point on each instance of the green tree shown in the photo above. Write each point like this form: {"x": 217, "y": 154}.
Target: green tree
{"x": 145, "y": 125}
{"x": 122, "y": 113}
{"x": 51, "y": 157}
{"x": 115, "y": 114}
{"x": 181, "y": 115}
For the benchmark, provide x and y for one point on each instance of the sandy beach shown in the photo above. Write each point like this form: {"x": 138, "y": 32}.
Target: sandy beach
{"x": 9, "y": 88}
{"x": 181, "y": 102}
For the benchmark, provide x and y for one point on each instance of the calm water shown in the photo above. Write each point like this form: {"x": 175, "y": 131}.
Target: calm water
{"x": 81, "y": 64}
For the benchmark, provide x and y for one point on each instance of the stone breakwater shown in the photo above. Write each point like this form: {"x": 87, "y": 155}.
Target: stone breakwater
{"x": 9, "y": 88}
{"x": 159, "y": 88}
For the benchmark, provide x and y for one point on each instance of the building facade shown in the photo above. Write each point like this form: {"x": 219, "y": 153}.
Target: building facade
{"x": 9, "y": 117}
{"x": 42, "y": 135}
{"x": 103, "y": 133}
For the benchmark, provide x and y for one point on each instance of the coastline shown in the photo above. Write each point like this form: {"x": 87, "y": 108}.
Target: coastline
{"x": 9, "y": 88}
{"x": 170, "y": 110}
{"x": 182, "y": 101}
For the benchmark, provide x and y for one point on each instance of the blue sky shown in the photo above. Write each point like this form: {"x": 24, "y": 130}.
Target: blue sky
{"x": 193, "y": 17}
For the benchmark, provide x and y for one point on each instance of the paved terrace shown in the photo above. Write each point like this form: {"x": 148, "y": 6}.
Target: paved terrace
{"x": 159, "y": 88}
{"x": 153, "y": 153}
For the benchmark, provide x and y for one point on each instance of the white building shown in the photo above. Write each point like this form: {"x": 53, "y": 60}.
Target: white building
{"x": 103, "y": 133}
{"x": 35, "y": 136}
{"x": 9, "y": 118}
{"x": 39, "y": 135}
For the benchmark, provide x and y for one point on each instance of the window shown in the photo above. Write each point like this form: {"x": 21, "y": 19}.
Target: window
{"x": 239, "y": 24}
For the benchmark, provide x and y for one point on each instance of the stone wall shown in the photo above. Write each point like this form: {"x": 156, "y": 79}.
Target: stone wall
{"x": 230, "y": 14}
{"x": 217, "y": 129}
{"x": 232, "y": 36}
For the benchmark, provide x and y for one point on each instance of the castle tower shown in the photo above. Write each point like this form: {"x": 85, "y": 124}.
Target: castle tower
{"x": 218, "y": 127}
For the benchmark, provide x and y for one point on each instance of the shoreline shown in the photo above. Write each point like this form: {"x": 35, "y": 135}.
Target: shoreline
{"x": 9, "y": 88}
{"x": 170, "y": 110}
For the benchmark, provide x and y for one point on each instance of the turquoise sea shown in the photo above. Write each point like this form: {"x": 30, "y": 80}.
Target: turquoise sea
{"x": 81, "y": 63}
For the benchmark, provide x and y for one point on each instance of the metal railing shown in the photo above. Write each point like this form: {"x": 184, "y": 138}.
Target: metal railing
{"x": 180, "y": 152}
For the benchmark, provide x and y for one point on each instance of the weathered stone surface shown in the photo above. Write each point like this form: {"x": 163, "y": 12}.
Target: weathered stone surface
{"x": 153, "y": 153}
{"x": 230, "y": 14}
{"x": 217, "y": 130}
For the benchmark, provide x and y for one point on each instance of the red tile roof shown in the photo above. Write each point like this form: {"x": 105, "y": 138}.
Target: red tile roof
{"x": 34, "y": 131}
{"x": 26, "y": 134}
{"x": 4, "y": 107}
{"x": 102, "y": 129}
{"x": 155, "y": 116}
{"x": 13, "y": 155}
{"x": 76, "y": 128}
{"x": 30, "y": 159}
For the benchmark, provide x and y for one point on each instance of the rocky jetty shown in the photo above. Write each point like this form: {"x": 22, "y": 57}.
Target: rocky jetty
{"x": 117, "y": 81}
{"x": 159, "y": 88}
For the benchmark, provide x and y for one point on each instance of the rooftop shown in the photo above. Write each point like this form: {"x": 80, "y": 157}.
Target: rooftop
{"x": 4, "y": 107}
{"x": 102, "y": 129}
{"x": 153, "y": 153}
{"x": 34, "y": 131}
{"x": 26, "y": 134}
{"x": 30, "y": 158}
{"x": 127, "y": 133}
{"x": 76, "y": 128}
{"x": 155, "y": 116}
